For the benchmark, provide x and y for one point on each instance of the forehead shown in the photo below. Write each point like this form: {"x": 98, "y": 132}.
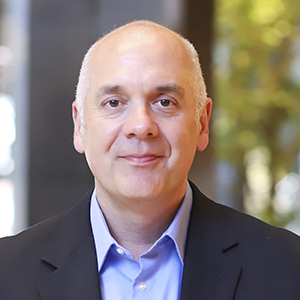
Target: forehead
{"x": 135, "y": 36}
{"x": 138, "y": 49}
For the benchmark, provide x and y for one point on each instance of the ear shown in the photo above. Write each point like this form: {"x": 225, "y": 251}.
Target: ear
{"x": 203, "y": 137}
{"x": 78, "y": 138}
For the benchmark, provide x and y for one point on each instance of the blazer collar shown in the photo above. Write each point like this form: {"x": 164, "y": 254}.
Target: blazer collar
{"x": 210, "y": 267}
{"x": 71, "y": 254}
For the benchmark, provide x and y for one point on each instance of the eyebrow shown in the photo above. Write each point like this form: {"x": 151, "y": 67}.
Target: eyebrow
{"x": 110, "y": 89}
{"x": 170, "y": 88}
{"x": 173, "y": 88}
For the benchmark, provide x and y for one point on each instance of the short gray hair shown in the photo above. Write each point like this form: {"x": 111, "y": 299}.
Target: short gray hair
{"x": 197, "y": 82}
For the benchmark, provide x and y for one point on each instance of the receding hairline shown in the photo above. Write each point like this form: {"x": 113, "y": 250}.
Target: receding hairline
{"x": 137, "y": 26}
{"x": 197, "y": 81}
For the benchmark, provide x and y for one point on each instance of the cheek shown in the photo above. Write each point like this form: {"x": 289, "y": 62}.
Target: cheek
{"x": 183, "y": 131}
{"x": 102, "y": 135}
{"x": 97, "y": 151}
{"x": 183, "y": 149}
{"x": 183, "y": 142}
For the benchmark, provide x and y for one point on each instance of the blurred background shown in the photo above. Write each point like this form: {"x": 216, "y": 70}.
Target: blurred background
{"x": 250, "y": 55}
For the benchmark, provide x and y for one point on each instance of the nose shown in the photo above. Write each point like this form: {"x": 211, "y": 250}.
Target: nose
{"x": 140, "y": 124}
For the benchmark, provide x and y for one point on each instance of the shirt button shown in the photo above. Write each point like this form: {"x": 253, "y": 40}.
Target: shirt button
{"x": 120, "y": 251}
{"x": 142, "y": 286}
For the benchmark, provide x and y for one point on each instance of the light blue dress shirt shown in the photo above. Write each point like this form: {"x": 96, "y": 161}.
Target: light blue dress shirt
{"x": 158, "y": 274}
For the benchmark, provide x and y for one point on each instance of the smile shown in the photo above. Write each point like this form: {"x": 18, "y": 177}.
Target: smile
{"x": 141, "y": 160}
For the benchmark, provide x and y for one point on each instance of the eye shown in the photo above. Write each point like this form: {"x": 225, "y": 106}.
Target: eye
{"x": 114, "y": 103}
{"x": 165, "y": 102}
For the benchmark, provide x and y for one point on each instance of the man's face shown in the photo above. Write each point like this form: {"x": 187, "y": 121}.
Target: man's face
{"x": 139, "y": 133}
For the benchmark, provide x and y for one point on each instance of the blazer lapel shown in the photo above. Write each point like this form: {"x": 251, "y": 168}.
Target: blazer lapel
{"x": 72, "y": 257}
{"x": 210, "y": 268}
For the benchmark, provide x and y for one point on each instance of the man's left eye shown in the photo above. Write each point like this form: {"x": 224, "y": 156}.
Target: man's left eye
{"x": 165, "y": 102}
{"x": 114, "y": 103}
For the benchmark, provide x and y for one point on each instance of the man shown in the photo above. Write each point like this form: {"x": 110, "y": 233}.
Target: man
{"x": 145, "y": 232}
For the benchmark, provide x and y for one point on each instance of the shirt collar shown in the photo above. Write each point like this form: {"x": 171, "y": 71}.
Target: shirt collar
{"x": 177, "y": 230}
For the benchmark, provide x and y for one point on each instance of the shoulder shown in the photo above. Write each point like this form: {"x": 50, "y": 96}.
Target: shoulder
{"x": 34, "y": 237}
{"x": 244, "y": 226}
{"x": 253, "y": 235}
{"x": 269, "y": 257}
{"x": 22, "y": 256}
{"x": 20, "y": 260}
{"x": 256, "y": 236}
{"x": 261, "y": 261}
{"x": 29, "y": 244}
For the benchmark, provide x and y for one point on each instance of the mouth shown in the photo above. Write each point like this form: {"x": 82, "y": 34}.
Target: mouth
{"x": 142, "y": 160}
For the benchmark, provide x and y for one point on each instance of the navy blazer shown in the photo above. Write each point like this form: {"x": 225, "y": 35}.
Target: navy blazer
{"x": 228, "y": 255}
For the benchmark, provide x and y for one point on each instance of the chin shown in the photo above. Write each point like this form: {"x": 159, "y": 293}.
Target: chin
{"x": 141, "y": 190}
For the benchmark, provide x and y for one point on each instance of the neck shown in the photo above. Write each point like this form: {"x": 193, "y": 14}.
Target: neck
{"x": 137, "y": 226}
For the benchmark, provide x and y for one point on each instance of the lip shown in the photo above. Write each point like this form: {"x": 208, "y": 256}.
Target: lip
{"x": 140, "y": 160}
